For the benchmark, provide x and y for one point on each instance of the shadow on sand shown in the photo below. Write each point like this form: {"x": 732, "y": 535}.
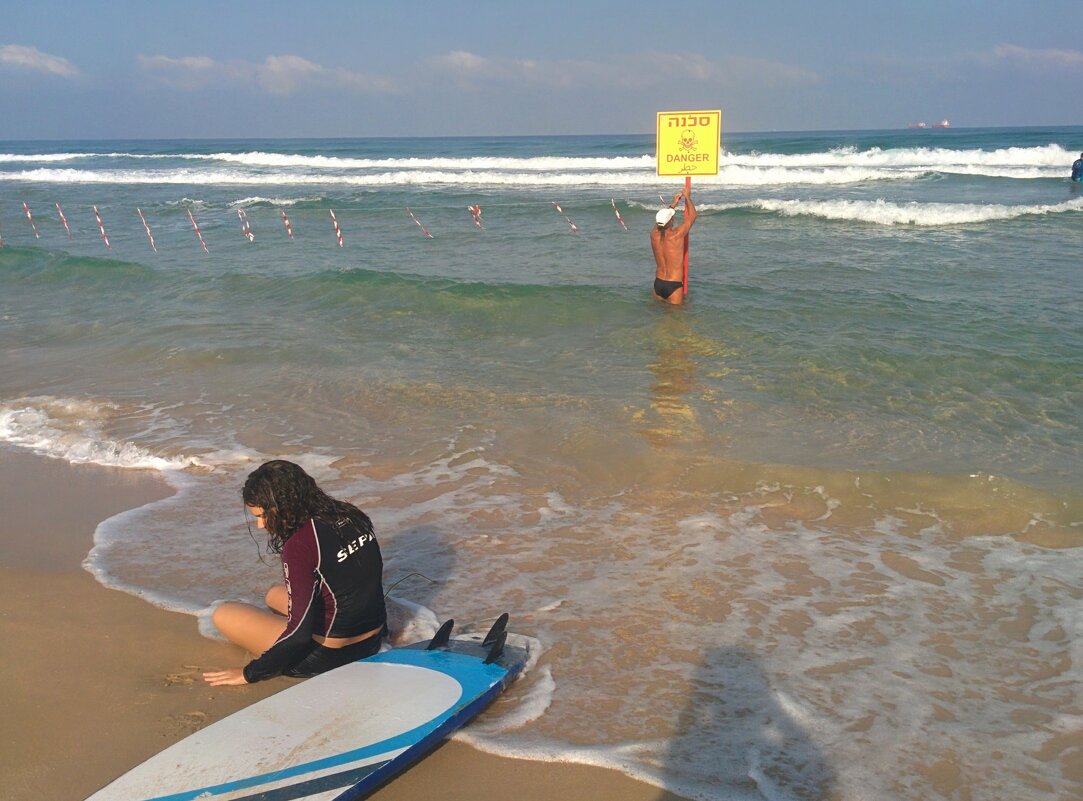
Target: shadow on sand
{"x": 418, "y": 562}
{"x": 740, "y": 738}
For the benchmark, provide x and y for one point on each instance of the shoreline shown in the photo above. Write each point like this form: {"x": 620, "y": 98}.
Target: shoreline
{"x": 104, "y": 680}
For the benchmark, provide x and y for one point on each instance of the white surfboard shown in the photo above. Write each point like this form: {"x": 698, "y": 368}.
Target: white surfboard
{"x": 337, "y": 736}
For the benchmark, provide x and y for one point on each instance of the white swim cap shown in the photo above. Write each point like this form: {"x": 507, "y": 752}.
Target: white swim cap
{"x": 664, "y": 216}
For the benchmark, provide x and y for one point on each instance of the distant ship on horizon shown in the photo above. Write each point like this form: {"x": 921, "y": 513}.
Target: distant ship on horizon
{"x": 942, "y": 124}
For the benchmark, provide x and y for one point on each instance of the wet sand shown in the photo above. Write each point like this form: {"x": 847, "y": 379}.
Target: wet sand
{"x": 93, "y": 681}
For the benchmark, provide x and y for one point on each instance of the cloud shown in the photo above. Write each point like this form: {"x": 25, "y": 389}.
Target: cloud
{"x": 469, "y": 72}
{"x": 640, "y": 71}
{"x": 192, "y": 72}
{"x": 465, "y": 63}
{"x": 1071, "y": 59}
{"x": 30, "y": 58}
{"x": 277, "y": 75}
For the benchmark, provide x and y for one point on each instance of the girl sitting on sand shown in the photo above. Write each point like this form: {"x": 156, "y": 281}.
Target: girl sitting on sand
{"x": 330, "y": 610}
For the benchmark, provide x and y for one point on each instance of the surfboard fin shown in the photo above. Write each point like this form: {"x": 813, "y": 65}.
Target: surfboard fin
{"x": 442, "y": 636}
{"x": 497, "y": 647}
{"x": 498, "y": 628}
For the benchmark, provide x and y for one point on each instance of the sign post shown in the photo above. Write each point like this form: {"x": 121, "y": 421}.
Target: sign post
{"x": 688, "y": 143}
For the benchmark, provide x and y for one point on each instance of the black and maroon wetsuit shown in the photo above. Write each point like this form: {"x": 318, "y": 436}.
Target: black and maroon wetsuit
{"x": 334, "y": 580}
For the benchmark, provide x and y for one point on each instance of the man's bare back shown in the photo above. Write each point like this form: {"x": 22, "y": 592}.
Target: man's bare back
{"x": 667, "y": 242}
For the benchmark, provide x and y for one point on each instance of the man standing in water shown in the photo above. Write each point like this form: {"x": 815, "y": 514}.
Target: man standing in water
{"x": 667, "y": 242}
{"x": 1077, "y": 169}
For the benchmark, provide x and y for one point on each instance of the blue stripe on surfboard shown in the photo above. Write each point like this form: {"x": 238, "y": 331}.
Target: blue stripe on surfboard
{"x": 305, "y": 789}
{"x": 359, "y": 782}
{"x": 393, "y": 767}
{"x": 474, "y": 677}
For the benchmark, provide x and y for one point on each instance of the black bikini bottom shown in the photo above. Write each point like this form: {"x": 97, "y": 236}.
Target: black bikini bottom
{"x": 664, "y": 289}
{"x": 322, "y": 659}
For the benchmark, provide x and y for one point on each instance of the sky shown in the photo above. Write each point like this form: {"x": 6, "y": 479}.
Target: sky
{"x": 273, "y": 69}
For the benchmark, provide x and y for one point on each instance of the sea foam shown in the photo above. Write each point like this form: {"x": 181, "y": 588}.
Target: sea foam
{"x": 70, "y": 429}
{"x": 883, "y": 212}
{"x": 832, "y": 167}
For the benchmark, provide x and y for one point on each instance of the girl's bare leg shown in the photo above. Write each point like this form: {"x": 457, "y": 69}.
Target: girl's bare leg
{"x": 250, "y": 627}
{"x": 277, "y": 598}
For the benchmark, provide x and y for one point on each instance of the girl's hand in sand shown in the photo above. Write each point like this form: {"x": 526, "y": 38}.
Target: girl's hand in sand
{"x": 222, "y": 678}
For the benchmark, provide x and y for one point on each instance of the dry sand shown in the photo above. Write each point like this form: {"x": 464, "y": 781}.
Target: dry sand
{"x": 93, "y": 681}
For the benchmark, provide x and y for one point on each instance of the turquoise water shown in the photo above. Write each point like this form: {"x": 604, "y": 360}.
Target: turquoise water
{"x": 827, "y": 485}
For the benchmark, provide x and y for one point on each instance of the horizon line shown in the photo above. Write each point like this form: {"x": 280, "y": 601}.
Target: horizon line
{"x": 920, "y": 131}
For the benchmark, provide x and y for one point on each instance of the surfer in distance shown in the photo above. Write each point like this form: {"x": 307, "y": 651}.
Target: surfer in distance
{"x": 330, "y": 609}
{"x": 1077, "y": 169}
{"x": 667, "y": 243}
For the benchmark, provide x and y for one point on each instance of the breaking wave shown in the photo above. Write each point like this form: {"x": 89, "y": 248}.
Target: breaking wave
{"x": 843, "y": 165}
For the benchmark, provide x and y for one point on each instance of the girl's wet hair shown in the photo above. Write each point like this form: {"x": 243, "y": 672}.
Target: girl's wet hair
{"x": 289, "y": 496}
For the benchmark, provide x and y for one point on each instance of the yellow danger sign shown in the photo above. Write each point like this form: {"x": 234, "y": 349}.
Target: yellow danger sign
{"x": 688, "y": 142}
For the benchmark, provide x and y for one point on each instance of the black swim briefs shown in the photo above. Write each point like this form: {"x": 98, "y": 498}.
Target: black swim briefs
{"x": 322, "y": 659}
{"x": 664, "y": 289}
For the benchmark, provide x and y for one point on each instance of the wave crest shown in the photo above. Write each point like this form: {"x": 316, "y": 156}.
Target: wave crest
{"x": 834, "y": 166}
{"x": 882, "y": 212}
{"x": 71, "y": 429}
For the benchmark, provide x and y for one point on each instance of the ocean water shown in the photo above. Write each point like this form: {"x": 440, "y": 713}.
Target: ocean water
{"x": 816, "y": 535}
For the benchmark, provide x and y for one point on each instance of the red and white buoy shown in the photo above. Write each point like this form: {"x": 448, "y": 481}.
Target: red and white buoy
{"x": 195, "y": 225}
{"x": 338, "y": 231}
{"x": 146, "y": 227}
{"x": 419, "y": 225}
{"x": 246, "y": 228}
{"x": 617, "y": 212}
{"x": 101, "y": 227}
{"x": 63, "y": 219}
{"x": 30, "y": 217}
{"x": 567, "y": 219}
